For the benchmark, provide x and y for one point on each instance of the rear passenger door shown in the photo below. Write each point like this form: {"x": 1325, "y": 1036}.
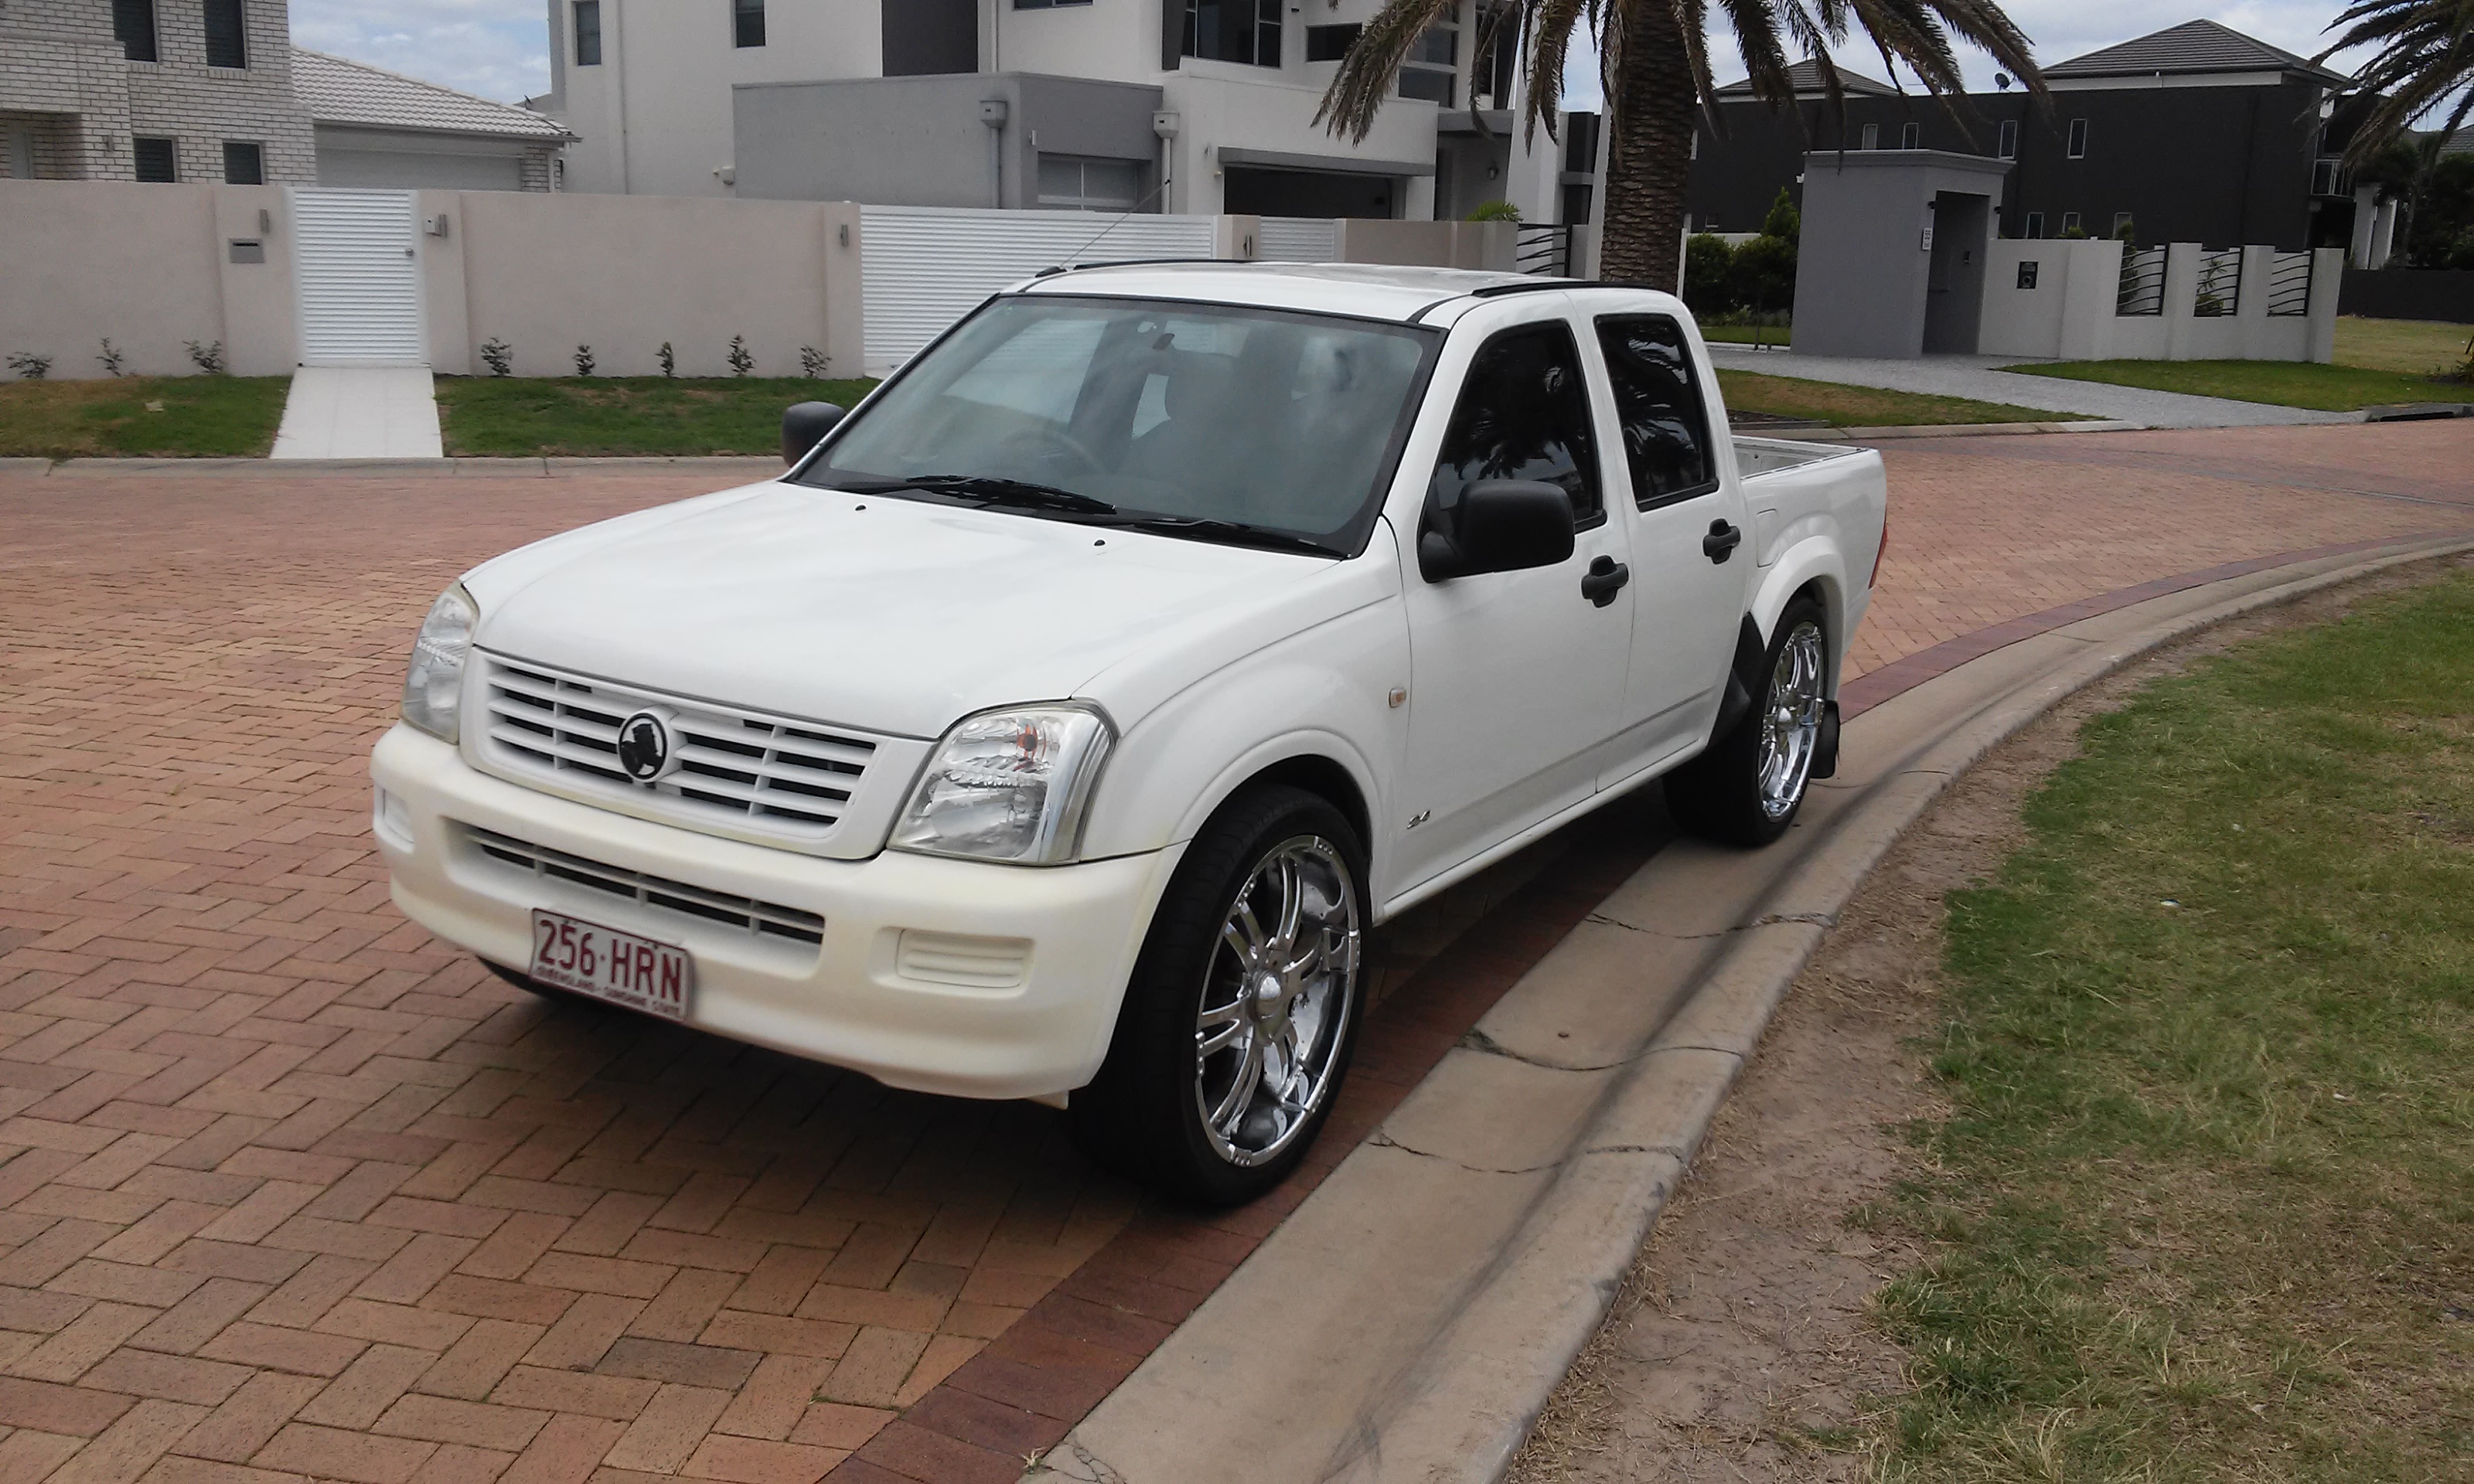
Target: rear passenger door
{"x": 1517, "y": 677}
{"x": 1667, "y": 490}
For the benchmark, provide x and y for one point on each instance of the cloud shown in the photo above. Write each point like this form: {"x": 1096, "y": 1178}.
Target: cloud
{"x": 497, "y": 48}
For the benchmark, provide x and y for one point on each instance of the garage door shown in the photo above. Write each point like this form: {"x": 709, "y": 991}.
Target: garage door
{"x": 924, "y": 267}
{"x": 358, "y": 278}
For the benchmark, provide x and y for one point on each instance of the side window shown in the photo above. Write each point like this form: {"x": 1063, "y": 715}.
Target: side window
{"x": 1523, "y": 413}
{"x": 1658, "y": 408}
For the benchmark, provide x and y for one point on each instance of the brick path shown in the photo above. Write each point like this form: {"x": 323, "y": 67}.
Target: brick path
{"x": 289, "y": 1192}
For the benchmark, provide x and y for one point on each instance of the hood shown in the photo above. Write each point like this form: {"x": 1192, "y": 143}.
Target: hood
{"x": 869, "y": 611}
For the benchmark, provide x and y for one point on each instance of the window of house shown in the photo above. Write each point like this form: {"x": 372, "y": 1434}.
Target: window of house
{"x": 2121, "y": 223}
{"x": 2035, "y": 224}
{"x": 1523, "y": 413}
{"x": 244, "y": 164}
{"x": 2078, "y": 139}
{"x": 1331, "y": 43}
{"x": 747, "y": 22}
{"x": 1082, "y": 183}
{"x": 157, "y": 159}
{"x": 226, "y": 34}
{"x": 2069, "y": 222}
{"x": 2006, "y": 144}
{"x": 133, "y": 26}
{"x": 1432, "y": 64}
{"x": 588, "y": 32}
{"x": 1911, "y": 136}
{"x": 1244, "y": 31}
{"x": 1872, "y": 138}
{"x": 2326, "y": 177}
{"x": 1495, "y": 63}
{"x": 1658, "y": 410}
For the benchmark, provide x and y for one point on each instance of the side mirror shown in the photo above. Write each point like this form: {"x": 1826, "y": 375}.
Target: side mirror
{"x": 804, "y": 426}
{"x": 1502, "y": 525}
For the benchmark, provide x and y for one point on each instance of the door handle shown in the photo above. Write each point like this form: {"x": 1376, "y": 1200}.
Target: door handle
{"x": 1721, "y": 542}
{"x": 1603, "y": 579}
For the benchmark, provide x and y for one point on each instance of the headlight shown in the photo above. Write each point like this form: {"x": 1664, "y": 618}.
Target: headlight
{"x": 1008, "y": 785}
{"x": 435, "y": 684}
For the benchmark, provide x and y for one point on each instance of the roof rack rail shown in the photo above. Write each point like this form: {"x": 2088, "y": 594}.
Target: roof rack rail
{"x": 1135, "y": 262}
{"x": 1532, "y": 285}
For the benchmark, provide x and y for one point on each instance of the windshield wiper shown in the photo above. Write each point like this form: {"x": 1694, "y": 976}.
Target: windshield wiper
{"x": 1019, "y": 493}
{"x": 1235, "y": 532}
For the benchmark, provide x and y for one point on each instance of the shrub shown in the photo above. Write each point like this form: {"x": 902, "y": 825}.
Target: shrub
{"x": 584, "y": 360}
{"x": 209, "y": 357}
{"x": 112, "y": 358}
{"x": 498, "y": 355}
{"x": 1763, "y": 274}
{"x": 1783, "y": 220}
{"x": 811, "y": 362}
{"x": 741, "y": 362}
{"x": 30, "y": 366}
{"x": 1709, "y": 274}
{"x": 668, "y": 358}
{"x": 1495, "y": 211}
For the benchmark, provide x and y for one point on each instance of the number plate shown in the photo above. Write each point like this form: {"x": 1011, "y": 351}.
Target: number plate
{"x": 621, "y": 967}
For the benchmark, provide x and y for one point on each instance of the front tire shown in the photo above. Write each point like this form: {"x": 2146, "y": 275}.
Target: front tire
{"x": 1747, "y": 788}
{"x": 1243, "y": 1009}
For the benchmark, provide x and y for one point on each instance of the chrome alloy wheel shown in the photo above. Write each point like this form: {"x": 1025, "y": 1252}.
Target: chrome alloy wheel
{"x": 1276, "y": 997}
{"x": 1791, "y": 720}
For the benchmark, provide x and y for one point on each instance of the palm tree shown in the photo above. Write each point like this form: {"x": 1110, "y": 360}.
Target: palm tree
{"x": 1656, "y": 62}
{"x": 2424, "y": 64}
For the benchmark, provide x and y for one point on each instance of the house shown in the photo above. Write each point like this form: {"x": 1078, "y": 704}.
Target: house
{"x": 2193, "y": 133}
{"x": 214, "y": 91}
{"x": 1200, "y": 106}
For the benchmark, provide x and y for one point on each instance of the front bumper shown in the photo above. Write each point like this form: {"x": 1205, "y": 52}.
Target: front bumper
{"x": 947, "y": 976}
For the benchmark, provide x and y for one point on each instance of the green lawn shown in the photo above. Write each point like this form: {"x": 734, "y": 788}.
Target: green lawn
{"x": 1748, "y": 334}
{"x": 2415, "y": 346}
{"x": 2283, "y": 383}
{"x": 624, "y": 414}
{"x": 2202, "y": 1207}
{"x": 141, "y": 415}
{"x": 1864, "y": 407}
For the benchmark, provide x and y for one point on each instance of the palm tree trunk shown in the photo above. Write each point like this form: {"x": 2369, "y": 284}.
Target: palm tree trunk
{"x": 1649, "y": 153}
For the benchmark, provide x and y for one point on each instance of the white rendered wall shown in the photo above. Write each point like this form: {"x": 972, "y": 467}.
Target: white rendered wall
{"x": 2069, "y": 315}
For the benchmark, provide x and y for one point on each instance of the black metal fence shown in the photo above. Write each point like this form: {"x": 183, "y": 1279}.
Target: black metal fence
{"x": 2288, "y": 284}
{"x": 2219, "y": 287}
{"x": 2143, "y": 282}
{"x": 1543, "y": 248}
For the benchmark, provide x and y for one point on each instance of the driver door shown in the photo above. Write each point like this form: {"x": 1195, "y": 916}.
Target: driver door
{"x": 1517, "y": 677}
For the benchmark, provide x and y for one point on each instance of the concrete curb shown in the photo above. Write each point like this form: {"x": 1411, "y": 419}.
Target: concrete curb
{"x": 397, "y": 469}
{"x": 1488, "y": 1374}
{"x": 1971, "y": 430}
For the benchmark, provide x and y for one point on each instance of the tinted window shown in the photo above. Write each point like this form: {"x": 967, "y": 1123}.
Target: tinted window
{"x": 244, "y": 164}
{"x": 132, "y": 25}
{"x": 588, "y": 32}
{"x": 1657, "y": 406}
{"x": 154, "y": 159}
{"x": 1523, "y": 413}
{"x": 747, "y": 22}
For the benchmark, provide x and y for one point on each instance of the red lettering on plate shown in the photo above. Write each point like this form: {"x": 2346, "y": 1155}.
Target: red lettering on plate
{"x": 671, "y": 986}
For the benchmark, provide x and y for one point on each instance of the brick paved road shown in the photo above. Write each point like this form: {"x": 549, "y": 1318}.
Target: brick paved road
{"x": 289, "y": 1192}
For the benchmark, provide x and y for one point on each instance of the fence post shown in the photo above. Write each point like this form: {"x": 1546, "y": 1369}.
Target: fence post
{"x": 2181, "y": 297}
{"x": 1236, "y": 238}
{"x": 2327, "y": 276}
{"x": 845, "y": 328}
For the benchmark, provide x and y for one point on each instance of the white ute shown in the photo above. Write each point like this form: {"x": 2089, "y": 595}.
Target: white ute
{"x": 1060, "y": 724}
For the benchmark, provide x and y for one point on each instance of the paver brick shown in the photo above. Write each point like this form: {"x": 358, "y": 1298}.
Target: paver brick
{"x": 306, "y": 1144}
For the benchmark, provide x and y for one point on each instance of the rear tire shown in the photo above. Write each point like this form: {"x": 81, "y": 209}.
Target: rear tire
{"x": 1243, "y": 1009}
{"x": 1747, "y": 788}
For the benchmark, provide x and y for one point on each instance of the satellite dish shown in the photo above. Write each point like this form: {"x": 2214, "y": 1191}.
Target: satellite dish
{"x": 2001, "y": 80}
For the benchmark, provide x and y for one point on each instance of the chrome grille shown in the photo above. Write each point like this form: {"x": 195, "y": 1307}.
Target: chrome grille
{"x": 755, "y": 918}
{"x": 774, "y": 777}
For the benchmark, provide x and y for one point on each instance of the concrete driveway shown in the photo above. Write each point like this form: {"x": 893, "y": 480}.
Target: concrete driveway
{"x": 289, "y": 1190}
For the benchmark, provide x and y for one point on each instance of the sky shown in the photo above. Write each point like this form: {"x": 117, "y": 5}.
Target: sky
{"x": 501, "y": 48}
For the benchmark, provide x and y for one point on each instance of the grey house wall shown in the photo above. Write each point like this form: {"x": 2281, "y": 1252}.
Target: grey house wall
{"x": 1864, "y": 265}
{"x": 918, "y": 141}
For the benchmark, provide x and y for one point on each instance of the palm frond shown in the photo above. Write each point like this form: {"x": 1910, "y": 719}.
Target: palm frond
{"x": 1364, "y": 81}
{"x": 2423, "y": 65}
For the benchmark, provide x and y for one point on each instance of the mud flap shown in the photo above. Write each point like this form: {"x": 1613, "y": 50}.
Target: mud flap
{"x": 1743, "y": 674}
{"x": 1825, "y": 745}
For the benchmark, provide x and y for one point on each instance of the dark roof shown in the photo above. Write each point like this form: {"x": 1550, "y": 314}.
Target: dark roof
{"x": 2193, "y": 46}
{"x": 1806, "y": 75}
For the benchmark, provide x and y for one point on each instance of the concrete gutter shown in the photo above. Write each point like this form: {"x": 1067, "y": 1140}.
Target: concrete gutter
{"x": 1409, "y": 1320}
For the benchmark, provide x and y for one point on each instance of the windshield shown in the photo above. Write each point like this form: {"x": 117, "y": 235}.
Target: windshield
{"x": 1199, "y": 420}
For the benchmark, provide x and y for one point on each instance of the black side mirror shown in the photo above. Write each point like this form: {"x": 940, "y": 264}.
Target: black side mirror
{"x": 804, "y": 426}
{"x": 1502, "y": 525}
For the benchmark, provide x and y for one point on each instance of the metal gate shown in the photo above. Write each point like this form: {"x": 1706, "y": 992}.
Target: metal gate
{"x": 357, "y": 277}
{"x": 1297, "y": 239}
{"x": 924, "y": 267}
